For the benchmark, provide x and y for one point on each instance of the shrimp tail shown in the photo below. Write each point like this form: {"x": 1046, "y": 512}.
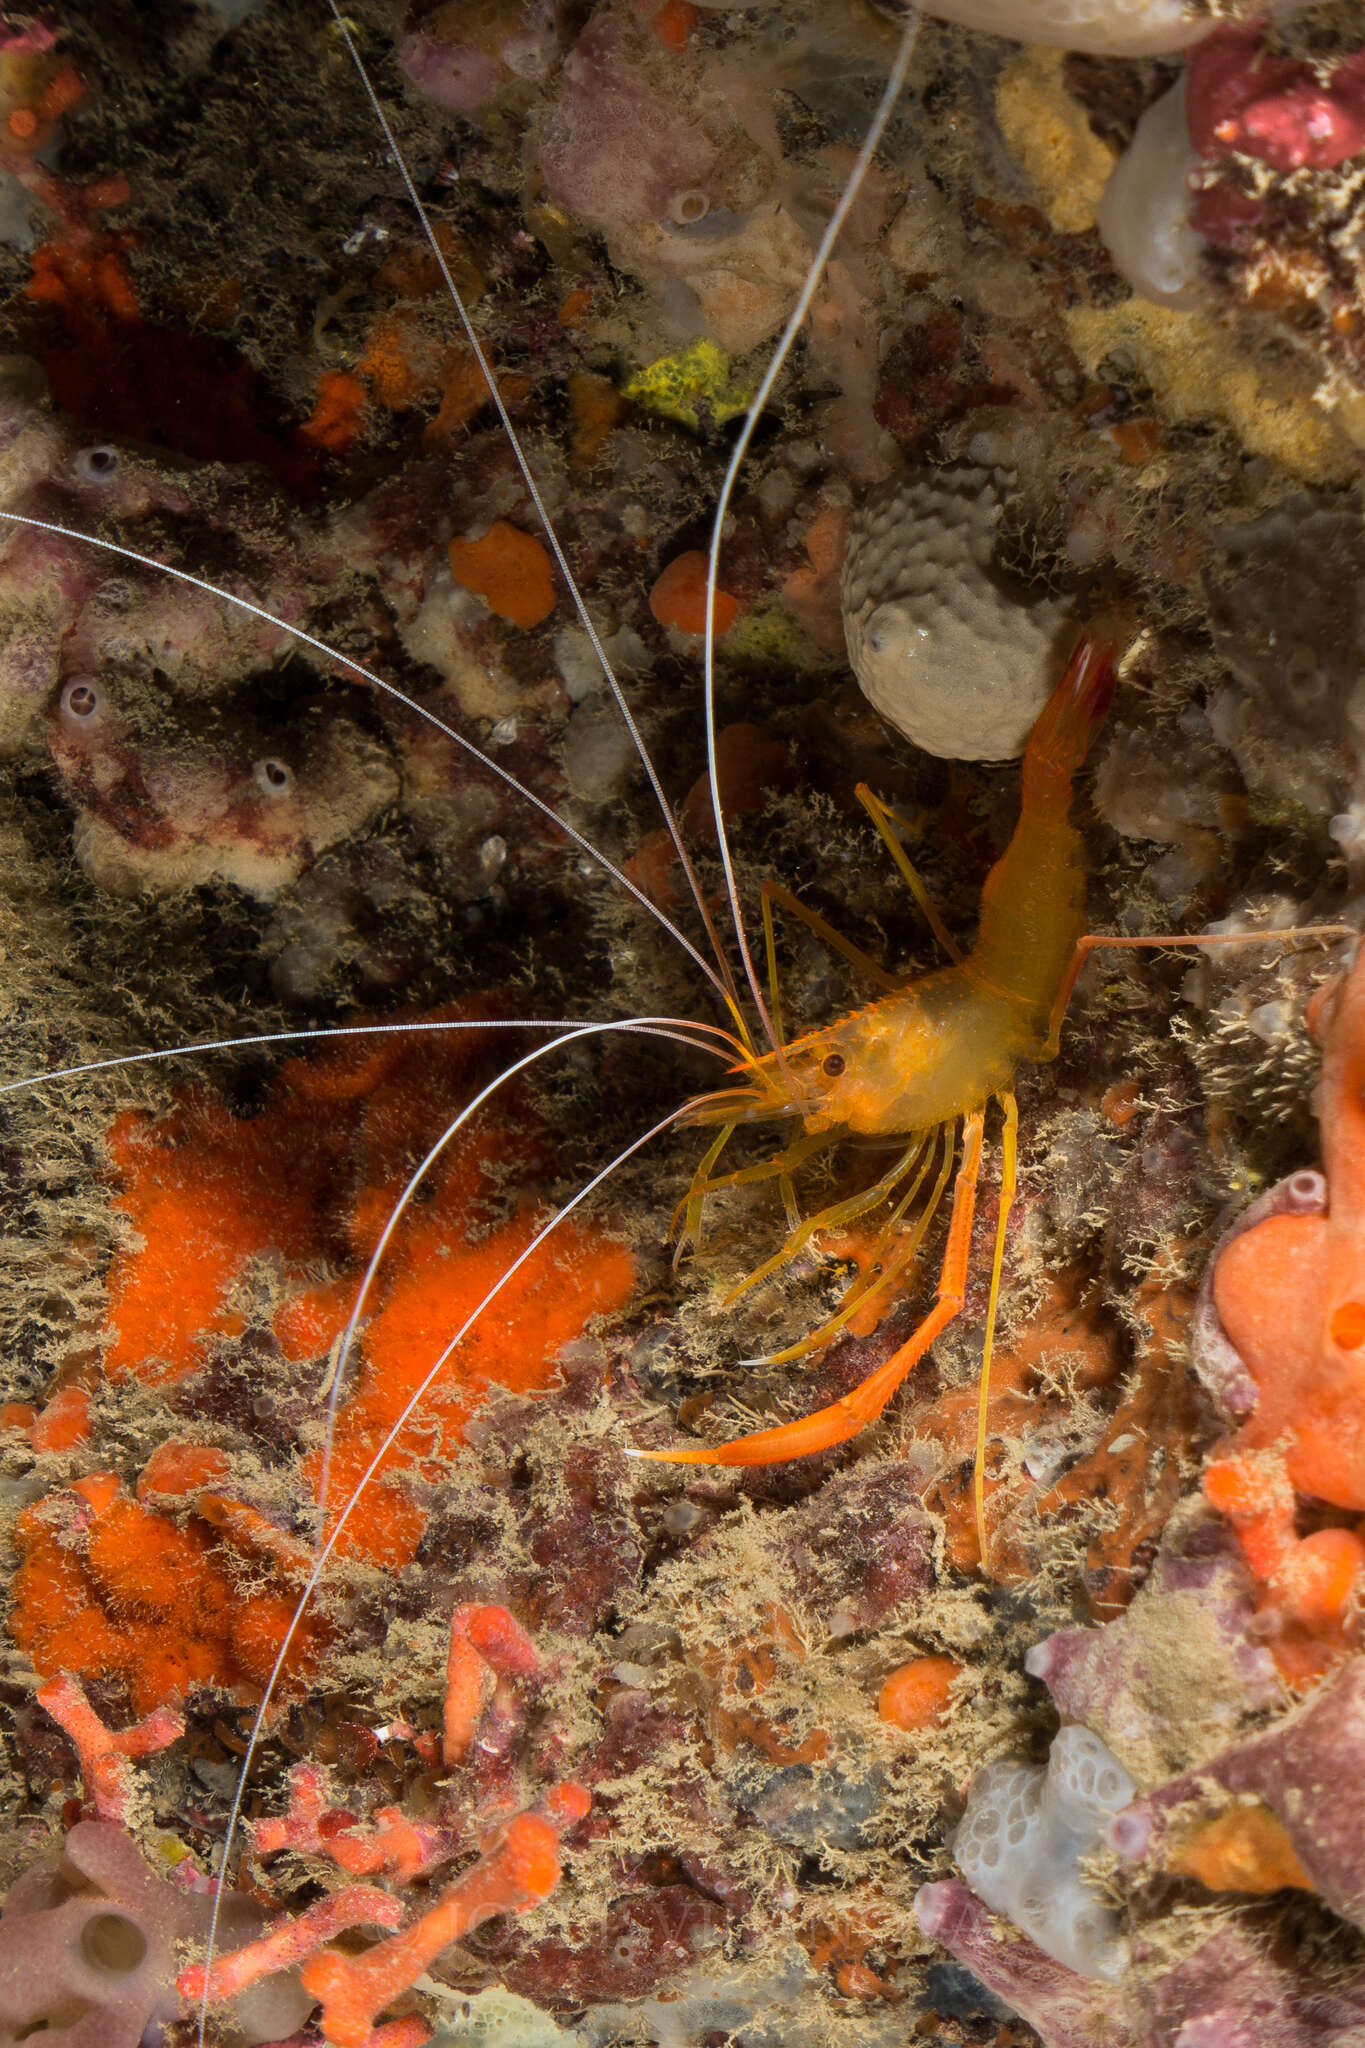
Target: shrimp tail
{"x": 1073, "y": 714}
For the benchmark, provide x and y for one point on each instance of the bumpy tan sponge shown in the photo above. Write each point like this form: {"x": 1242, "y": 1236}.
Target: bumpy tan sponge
{"x": 941, "y": 646}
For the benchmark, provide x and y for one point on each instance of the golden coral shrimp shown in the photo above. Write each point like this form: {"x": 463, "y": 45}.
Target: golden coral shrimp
{"x": 923, "y": 1061}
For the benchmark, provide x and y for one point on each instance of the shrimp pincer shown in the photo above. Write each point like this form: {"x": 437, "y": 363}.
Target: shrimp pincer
{"x": 923, "y": 1063}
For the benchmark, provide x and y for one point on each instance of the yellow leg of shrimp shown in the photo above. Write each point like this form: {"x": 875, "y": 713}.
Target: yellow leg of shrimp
{"x": 696, "y": 1194}
{"x": 781, "y": 1164}
{"x": 832, "y": 1218}
{"x": 869, "y": 1285}
{"x": 1009, "y": 1151}
{"x": 885, "y": 819}
{"x": 851, "y": 1412}
{"x": 1197, "y": 942}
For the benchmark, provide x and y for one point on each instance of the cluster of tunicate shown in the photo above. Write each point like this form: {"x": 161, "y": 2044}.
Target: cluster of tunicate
{"x": 678, "y": 163}
{"x": 463, "y": 56}
{"x": 153, "y": 702}
{"x": 612, "y": 149}
{"x": 952, "y": 655}
{"x": 1023, "y": 1839}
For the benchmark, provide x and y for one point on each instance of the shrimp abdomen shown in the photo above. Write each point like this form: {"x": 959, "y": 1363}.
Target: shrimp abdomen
{"x": 1033, "y": 902}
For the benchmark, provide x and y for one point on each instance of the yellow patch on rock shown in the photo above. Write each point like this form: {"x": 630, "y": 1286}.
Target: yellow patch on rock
{"x": 1049, "y": 137}
{"x": 1197, "y": 369}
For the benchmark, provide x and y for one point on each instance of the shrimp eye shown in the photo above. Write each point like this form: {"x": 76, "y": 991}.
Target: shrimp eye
{"x": 273, "y": 777}
{"x": 81, "y": 699}
{"x": 98, "y": 465}
{"x": 834, "y": 1065}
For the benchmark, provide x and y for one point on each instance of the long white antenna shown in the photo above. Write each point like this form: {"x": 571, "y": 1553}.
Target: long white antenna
{"x": 684, "y": 1029}
{"x": 534, "y": 492}
{"x": 764, "y": 392}
{"x": 366, "y": 675}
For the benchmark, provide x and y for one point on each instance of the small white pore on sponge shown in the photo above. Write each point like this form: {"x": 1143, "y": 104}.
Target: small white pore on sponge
{"x": 956, "y": 661}
{"x": 1022, "y": 1839}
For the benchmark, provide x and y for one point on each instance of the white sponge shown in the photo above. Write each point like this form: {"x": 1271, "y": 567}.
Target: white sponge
{"x": 1022, "y": 1839}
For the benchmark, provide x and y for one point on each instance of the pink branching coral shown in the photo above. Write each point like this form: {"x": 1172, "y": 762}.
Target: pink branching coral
{"x": 518, "y": 1864}
{"x": 105, "y": 1754}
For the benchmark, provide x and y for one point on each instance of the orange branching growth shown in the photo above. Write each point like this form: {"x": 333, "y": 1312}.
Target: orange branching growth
{"x": 1291, "y": 1296}
{"x": 289, "y": 1941}
{"x": 106, "y": 1754}
{"x": 488, "y": 1648}
{"x": 519, "y": 1865}
{"x": 109, "y": 1587}
{"x": 679, "y": 597}
{"x": 510, "y": 570}
{"x": 919, "y": 1694}
{"x": 1137, "y": 1467}
{"x": 1142, "y": 1462}
{"x": 1066, "y": 1335}
{"x": 193, "y": 1583}
{"x": 393, "y": 1846}
{"x": 516, "y": 1873}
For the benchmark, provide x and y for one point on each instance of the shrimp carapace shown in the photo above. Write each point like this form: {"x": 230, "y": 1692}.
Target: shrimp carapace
{"x": 923, "y": 1063}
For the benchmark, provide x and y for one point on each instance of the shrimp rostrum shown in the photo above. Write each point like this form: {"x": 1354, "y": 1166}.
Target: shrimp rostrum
{"x": 922, "y": 1064}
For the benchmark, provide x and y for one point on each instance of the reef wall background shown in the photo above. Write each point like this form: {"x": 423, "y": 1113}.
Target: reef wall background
{"x": 673, "y": 1752}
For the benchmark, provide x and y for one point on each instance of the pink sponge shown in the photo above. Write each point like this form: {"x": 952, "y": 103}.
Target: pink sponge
{"x": 88, "y": 1949}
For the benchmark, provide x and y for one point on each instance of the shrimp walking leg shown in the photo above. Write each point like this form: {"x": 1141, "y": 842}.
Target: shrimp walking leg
{"x": 843, "y": 1418}
{"x": 892, "y": 1254}
{"x": 832, "y": 1218}
{"x": 1197, "y": 942}
{"x": 1009, "y": 1155}
{"x": 781, "y": 1164}
{"x": 885, "y": 820}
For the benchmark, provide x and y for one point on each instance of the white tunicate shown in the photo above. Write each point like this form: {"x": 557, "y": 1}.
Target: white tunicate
{"x": 940, "y": 646}
{"x": 1109, "y": 28}
{"x": 1144, "y": 214}
{"x": 577, "y": 664}
{"x": 1022, "y": 1840}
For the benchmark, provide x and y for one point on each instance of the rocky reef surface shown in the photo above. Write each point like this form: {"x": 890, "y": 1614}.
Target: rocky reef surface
{"x": 563, "y": 1745}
